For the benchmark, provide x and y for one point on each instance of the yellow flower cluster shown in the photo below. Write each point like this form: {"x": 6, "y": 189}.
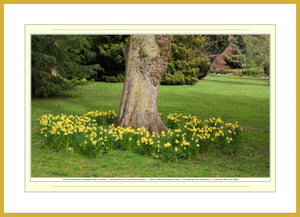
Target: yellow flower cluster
{"x": 72, "y": 124}
{"x": 167, "y": 145}
{"x": 200, "y": 135}
{"x": 187, "y": 135}
{"x": 77, "y": 80}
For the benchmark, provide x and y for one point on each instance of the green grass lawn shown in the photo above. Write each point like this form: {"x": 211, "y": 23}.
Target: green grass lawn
{"x": 241, "y": 99}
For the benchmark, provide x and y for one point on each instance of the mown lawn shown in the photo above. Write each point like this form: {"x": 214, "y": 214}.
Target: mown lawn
{"x": 241, "y": 99}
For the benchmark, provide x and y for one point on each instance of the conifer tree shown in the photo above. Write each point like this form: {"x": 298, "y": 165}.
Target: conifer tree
{"x": 55, "y": 59}
{"x": 109, "y": 55}
{"x": 258, "y": 52}
{"x": 187, "y": 64}
{"x": 214, "y": 45}
{"x": 238, "y": 45}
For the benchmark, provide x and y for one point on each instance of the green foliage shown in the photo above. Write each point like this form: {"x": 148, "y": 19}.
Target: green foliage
{"x": 177, "y": 78}
{"x": 253, "y": 71}
{"x": 266, "y": 66}
{"x": 245, "y": 54}
{"x": 187, "y": 63}
{"x": 109, "y": 55}
{"x": 168, "y": 79}
{"x": 250, "y": 53}
{"x": 204, "y": 65}
{"x": 214, "y": 45}
{"x": 57, "y": 58}
{"x": 191, "y": 80}
{"x": 258, "y": 52}
{"x": 238, "y": 49}
{"x": 43, "y": 84}
{"x": 113, "y": 79}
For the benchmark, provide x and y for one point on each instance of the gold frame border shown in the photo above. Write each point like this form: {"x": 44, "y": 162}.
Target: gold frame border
{"x": 296, "y": 2}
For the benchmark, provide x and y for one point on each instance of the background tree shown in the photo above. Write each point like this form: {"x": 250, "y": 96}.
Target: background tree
{"x": 214, "y": 45}
{"x": 57, "y": 58}
{"x": 258, "y": 52}
{"x": 108, "y": 50}
{"x": 245, "y": 55}
{"x": 237, "y": 58}
{"x": 187, "y": 63}
{"x": 147, "y": 59}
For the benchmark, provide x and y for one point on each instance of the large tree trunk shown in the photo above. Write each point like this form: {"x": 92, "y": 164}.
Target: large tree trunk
{"x": 146, "y": 59}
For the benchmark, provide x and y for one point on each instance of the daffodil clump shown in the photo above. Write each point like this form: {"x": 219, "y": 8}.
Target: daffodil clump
{"x": 199, "y": 137}
{"x": 94, "y": 133}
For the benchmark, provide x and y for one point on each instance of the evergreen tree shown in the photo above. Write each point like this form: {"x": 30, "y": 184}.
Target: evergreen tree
{"x": 109, "y": 55}
{"x": 214, "y": 45}
{"x": 238, "y": 45}
{"x": 187, "y": 64}
{"x": 55, "y": 59}
{"x": 258, "y": 52}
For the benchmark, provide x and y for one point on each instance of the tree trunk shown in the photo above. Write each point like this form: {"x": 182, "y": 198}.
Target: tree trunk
{"x": 146, "y": 59}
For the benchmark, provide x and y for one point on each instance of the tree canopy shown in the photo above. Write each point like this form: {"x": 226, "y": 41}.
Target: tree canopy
{"x": 187, "y": 63}
{"x": 58, "y": 61}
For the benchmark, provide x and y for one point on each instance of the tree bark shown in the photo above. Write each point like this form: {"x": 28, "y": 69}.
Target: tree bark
{"x": 146, "y": 58}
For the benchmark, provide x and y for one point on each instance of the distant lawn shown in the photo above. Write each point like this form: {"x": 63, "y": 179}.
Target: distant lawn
{"x": 241, "y": 99}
